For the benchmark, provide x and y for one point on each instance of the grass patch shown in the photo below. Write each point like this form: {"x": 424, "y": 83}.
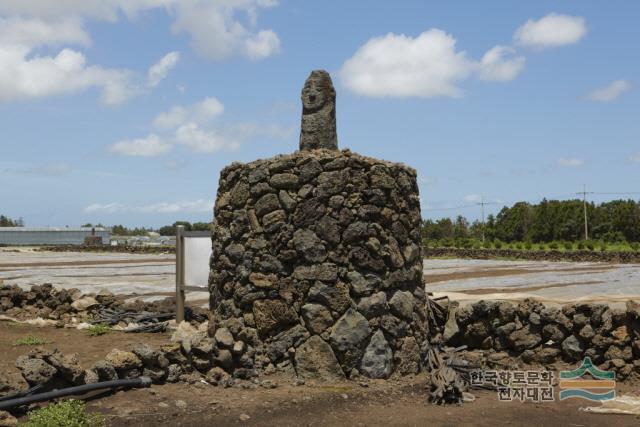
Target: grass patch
{"x": 14, "y": 324}
{"x": 98, "y": 329}
{"x": 31, "y": 340}
{"x": 67, "y": 413}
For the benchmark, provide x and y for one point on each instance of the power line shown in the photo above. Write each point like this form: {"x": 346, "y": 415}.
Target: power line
{"x": 449, "y": 209}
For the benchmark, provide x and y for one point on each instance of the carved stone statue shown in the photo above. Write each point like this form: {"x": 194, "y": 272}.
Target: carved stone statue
{"x": 318, "y": 129}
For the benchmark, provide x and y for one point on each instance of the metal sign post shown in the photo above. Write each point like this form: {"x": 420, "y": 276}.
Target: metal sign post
{"x": 179, "y": 273}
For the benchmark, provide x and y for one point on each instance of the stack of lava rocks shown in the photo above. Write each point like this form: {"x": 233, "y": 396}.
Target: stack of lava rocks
{"x": 317, "y": 259}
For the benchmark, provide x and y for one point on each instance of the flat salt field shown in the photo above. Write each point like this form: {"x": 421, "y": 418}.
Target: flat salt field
{"x": 549, "y": 282}
{"x": 152, "y": 276}
{"x": 147, "y": 276}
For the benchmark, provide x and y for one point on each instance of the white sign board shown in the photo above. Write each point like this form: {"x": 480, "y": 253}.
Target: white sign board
{"x": 197, "y": 251}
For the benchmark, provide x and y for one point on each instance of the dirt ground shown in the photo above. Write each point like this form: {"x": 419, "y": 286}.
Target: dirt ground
{"x": 374, "y": 403}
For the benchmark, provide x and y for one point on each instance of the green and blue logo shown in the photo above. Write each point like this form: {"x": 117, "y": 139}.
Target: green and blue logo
{"x": 600, "y": 386}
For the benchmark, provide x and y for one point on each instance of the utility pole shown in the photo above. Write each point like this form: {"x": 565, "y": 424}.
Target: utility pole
{"x": 584, "y": 204}
{"x": 482, "y": 203}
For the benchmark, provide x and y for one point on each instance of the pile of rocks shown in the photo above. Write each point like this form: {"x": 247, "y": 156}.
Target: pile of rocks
{"x": 71, "y": 306}
{"x": 317, "y": 262}
{"x": 47, "y": 302}
{"x": 192, "y": 355}
{"x": 540, "y": 335}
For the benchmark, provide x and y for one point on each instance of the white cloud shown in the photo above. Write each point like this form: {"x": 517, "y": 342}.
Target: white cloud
{"x": 204, "y": 141}
{"x": 553, "y": 30}
{"x": 610, "y": 92}
{"x": 262, "y": 45}
{"x": 500, "y": 63}
{"x": 218, "y": 30}
{"x": 24, "y": 76}
{"x": 570, "y": 162}
{"x": 106, "y": 10}
{"x": 189, "y": 206}
{"x": 428, "y": 65}
{"x": 47, "y": 169}
{"x": 200, "y": 205}
{"x": 151, "y": 146}
{"x": 171, "y": 119}
{"x": 192, "y": 128}
{"x": 200, "y": 112}
{"x": 473, "y": 198}
{"x": 108, "y": 208}
{"x": 402, "y": 66}
{"x": 635, "y": 158}
{"x": 158, "y": 71}
{"x": 19, "y": 31}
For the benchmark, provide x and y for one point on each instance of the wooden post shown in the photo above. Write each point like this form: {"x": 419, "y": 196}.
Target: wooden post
{"x": 179, "y": 274}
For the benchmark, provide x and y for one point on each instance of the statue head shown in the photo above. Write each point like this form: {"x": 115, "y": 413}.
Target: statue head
{"x": 317, "y": 91}
{"x": 318, "y": 128}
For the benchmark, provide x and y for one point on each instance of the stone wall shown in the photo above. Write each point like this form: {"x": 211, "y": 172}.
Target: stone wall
{"x": 538, "y": 335}
{"x": 317, "y": 263}
{"x": 551, "y": 255}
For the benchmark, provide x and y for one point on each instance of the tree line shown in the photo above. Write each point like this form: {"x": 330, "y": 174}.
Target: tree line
{"x": 550, "y": 220}
{"x": 5, "y": 221}
{"x": 167, "y": 230}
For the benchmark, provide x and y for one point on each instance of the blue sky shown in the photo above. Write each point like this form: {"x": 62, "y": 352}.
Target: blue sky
{"x": 119, "y": 111}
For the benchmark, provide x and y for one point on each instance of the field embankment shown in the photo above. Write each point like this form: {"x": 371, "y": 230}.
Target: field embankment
{"x": 551, "y": 255}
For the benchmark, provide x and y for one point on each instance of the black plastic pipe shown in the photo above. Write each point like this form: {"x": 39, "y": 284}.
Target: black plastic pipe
{"x": 28, "y": 392}
{"x": 81, "y": 389}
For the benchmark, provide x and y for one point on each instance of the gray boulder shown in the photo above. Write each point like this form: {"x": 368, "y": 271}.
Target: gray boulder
{"x": 309, "y": 246}
{"x": 35, "y": 371}
{"x": 316, "y": 317}
{"x": 377, "y": 359}
{"x": 223, "y": 338}
{"x": 348, "y": 336}
{"x": 523, "y": 339}
{"x": 402, "y": 304}
{"x": 572, "y": 348}
{"x": 373, "y": 306}
{"x": 315, "y": 360}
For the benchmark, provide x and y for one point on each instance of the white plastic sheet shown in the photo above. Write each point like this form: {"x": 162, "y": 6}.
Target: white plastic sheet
{"x": 626, "y": 405}
{"x": 197, "y": 251}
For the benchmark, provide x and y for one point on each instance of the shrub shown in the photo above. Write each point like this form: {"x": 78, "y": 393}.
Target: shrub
{"x": 568, "y": 246}
{"x": 635, "y": 246}
{"x": 528, "y": 245}
{"x": 553, "y": 245}
{"x": 497, "y": 244}
{"x": 518, "y": 246}
{"x": 98, "y": 329}
{"x": 447, "y": 243}
{"x": 67, "y": 413}
{"x": 542, "y": 247}
{"x": 486, "y": 244}
{"x": 580, "y": 245}
{"x": 590, "y": 245}
{"x": 30, "y": 340}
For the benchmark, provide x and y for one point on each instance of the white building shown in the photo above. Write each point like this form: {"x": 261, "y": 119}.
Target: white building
{"x": 26, "y": 236}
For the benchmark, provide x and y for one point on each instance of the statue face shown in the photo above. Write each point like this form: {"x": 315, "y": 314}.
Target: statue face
{"x": 314, "y": 95}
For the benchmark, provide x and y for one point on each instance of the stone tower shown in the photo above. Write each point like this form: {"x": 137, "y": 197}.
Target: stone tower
{"x": 317, "y": 260}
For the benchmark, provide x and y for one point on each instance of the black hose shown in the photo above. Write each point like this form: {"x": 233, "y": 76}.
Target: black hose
{"x": 22, "y": 393}
{"x": 136, "y": 382}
